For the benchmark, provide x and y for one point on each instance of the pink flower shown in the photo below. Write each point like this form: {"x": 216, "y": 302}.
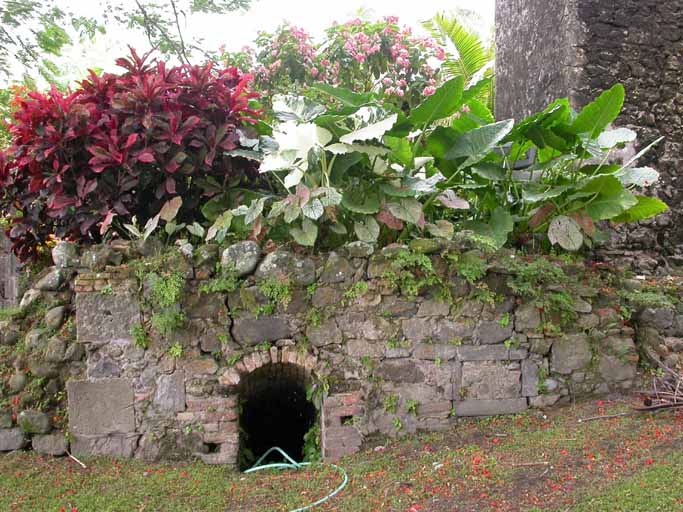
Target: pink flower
{"x": 428, "y": 91}
{"x": 400, "y": 93}
{"x": 440, "y": 53}
{"x": 386, "y": 80}
{"x": 314, "y": 72}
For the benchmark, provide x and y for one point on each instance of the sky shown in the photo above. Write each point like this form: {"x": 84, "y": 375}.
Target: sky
{"x": 238, "y": 29}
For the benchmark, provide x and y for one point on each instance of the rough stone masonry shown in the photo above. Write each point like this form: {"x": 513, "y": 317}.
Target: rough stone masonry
{"x": 578, "y": 48}
{"x": 391, "y": 358}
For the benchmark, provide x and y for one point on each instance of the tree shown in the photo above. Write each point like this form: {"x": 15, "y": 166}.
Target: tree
{"x": 32, "y": 31}
{"x": 162, "y": 22}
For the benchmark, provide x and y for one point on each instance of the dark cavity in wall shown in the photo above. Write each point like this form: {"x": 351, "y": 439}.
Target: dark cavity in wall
{"x": 274, "y": 412}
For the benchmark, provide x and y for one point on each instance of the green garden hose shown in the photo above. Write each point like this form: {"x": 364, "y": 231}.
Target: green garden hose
{"x": 292, "y": 464}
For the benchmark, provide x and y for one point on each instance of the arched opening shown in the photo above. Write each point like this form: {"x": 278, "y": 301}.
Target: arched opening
{"x": 274, "y": 411}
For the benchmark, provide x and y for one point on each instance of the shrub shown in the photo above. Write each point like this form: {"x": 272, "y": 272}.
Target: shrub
{"x": 380, "y": 56}
{"x": 120, "y": 146}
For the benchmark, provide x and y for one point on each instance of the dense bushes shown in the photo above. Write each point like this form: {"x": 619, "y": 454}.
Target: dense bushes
{"x": 380, "y": 56}
{"x": 120, "y": 146}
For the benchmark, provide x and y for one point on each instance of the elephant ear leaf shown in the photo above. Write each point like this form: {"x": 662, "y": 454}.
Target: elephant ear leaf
{"x": 645, "y": 208}
{"x": 477, "y": 143}
{"x": 597, "y": 115}
{"x": 565, "y": 232}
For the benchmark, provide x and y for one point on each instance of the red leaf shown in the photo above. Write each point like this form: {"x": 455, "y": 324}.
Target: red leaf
{"x": 145, "y": 156}
{"x": 541, "y": 215}
{"x": 386, "y": 218}
{"x": 104, "y": 226}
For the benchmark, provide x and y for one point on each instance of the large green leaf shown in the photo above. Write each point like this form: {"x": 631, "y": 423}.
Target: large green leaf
{"x": 360, "y": 201}
{"x": 345, "y": 96}
{"x": 367, "y": 229}
{"x": 306, "y": 234}
{"x": 597, "y": 115}
{"x": 445, "y": 102}
{"x": 408, "y": 210}
{"x": 645, "y": 208}
{"x": 476, "y": 144}
{"x": 607, "y": 207}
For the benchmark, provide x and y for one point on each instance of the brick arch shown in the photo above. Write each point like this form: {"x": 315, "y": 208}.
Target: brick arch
{"x": 286, "y": 354}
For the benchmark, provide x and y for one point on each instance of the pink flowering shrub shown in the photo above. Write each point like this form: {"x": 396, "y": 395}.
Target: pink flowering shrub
{"x": 363, "y": 56}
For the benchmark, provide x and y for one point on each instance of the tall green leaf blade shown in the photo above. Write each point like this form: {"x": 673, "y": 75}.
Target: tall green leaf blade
{"x": 645, "y": 208}
{"x": 445, "y": 102}
{"x": 597, "y": 115}
{"x": 345, "y": 96}
{"x": 476, "y": 144}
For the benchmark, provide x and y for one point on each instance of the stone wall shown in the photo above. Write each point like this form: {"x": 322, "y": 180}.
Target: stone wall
{"x": 394, "y": 347}
{"x": 578, "y": 48}
{"x": 8, "y": 274}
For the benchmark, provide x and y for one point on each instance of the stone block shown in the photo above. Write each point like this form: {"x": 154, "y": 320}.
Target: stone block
{"x": 241, "y": 257}
{"x": 432, "y": 307}
{"x": 527, "y": 318}
{"x": 570, "y": 352}
{"x": 249, "y": 330}
{"x": 34, "y": 422}
{"x": 51, "y": 444}
{"x": 492, "y": 332}
{"x": 113, "y": 445}
{"x": 103, "y": 318}
{"x": 327, "y": 333}
{"x": 615, "y": 369}
{"x": 529, "y": 378}
{"x": 434, "y": 351}
{"x": 400, "y": 370}
{"x": 11, "y": 439}
{"x": 169, "y": 396}
{"x": 101, "y": 408}
{"x": 489, "y": 353}
{"x": 490, "y": 407}
{"x": 490, "y": 381}
{"x": 363, "y": 348}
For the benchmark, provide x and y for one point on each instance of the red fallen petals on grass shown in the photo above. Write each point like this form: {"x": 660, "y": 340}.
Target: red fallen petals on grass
{"x": 649, "y": 462}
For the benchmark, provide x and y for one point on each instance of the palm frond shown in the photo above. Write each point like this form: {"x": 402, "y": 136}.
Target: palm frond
{"x": 466, "y": 54}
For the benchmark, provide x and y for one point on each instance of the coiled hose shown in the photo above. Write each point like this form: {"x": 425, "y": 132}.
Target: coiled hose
{"x": 292, "y": 464}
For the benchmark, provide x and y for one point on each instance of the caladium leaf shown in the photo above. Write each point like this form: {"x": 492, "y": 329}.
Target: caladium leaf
{"x": 450, "y": 200}
{"x": 295, "y": 108}
{"x": 150, "y": 226}
{"x": 306, "y": 234}
{"x": 386, "y": 218}
{"x": 371, "y": 151}
{"x": 360, "y": 201}
{"x": 170, "y": 209}
{"x": 313, "y": 209}
{"x": 408, "y": 210}
{"x": 367, "y": 229}
{"x": 566, "y": 233}
{"x": 371, "y": 131}
{"x": 441, "y": 229}
{"x": 196, "y": 229}
{"x": 541, "y": 215}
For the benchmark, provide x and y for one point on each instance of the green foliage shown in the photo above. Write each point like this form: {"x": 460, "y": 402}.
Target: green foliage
{"x": 639, "y": 299}
{"x": 168, "y": 321}
{"x": 504, "y": 320}
{"x": 314, "y": 317}
{"x": 312, "y": 449}
{"x": 165, "y": 291}
{"x": 107, "y": 290}
{"x": 529, "y": 279}
{"x": 412, "y": 406}
{"x": 225, "y": 283}
{"x": 278, "y": 291}
{"x": 175, "y": 351}
{"x": 471, "y": 55}
{"x": 470, "y": 265}
{"x": 140, "y": 337}
{"x": 391, "y": 404}
{"x": 233, "y": 359}
{"x": 411, "y": 272}
{"x": 357, "y": 290}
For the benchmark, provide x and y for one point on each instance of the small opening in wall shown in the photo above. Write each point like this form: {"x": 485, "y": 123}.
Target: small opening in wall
{"x": 274, "y": 412}
{"x": 212, "y": 447}
{"x": 346, "y": 420}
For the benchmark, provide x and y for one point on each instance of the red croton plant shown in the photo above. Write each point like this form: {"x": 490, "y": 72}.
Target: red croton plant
{"x": 120, "y": 146}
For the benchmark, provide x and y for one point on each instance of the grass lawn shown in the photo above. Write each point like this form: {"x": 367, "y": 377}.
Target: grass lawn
{"x": 528, "y": 462}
